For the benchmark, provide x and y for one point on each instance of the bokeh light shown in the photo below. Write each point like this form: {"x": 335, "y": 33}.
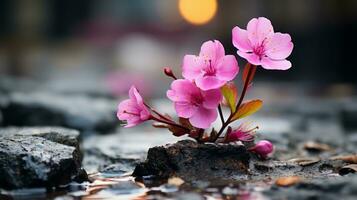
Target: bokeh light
{"x": 198, "y": 12}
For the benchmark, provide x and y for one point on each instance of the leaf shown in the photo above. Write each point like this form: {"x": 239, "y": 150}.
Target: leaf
{"x": 185, "y": 122}
{"x": 230, "y": 94}
{"x": 287, "y": 181}
{"x": 248, "y": 67}
{"x": 177, "y": 181}
{"x": 314, "y": 146}
{"x": 247, "y": 109}
{"x": 347, "y": 158}
{"x": 177, "y": 131}
{"x": 305, "y": 161}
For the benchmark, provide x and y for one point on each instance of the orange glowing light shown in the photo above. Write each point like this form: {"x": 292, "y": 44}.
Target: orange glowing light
{"x": 198, "y": 12}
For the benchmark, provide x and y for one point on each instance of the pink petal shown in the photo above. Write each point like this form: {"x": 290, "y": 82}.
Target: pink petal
{"x": 279, "y": 46}
{"x": 145, "y": 115}
{"x": 259, "y": 29}
{"x": 192, "y": 66}
{"x": 227, "y": 68}
{"x": 251, "y": 57}
{"x": 240, "y": 39}
{"x": 181, "y": 90}
{"x": 268, "y": 63}
{"x": 121, "y": 108}
{"x": 212, "y": 51}
{"x": 203, "y": 118}
{"x": 185, "y": 109}
{"x": 209, "y": 82}
{"x": 133, "y": 122}
{"x": 127, "y": 105}
{"x": 211, "y": 98}
{"x": 134, "y": 95}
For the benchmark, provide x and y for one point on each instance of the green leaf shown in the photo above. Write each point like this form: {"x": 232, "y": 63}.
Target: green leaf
{"x": 229, "y": 92}
{"x": 247, "y": 109}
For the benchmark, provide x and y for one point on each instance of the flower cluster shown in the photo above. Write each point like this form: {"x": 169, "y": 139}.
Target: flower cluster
{"x": 207, "y": 85}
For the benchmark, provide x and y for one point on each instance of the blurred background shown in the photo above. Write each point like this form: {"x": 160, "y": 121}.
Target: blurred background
{"x": 111, "y": 44}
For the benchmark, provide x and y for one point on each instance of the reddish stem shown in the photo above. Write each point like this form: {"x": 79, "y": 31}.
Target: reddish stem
{"x": 245, "y": 87}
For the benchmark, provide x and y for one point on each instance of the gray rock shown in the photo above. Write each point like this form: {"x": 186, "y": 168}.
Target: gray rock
{"x": 108, "y": 165}
{"x": 60, "y": 135}
{"x": 73, "y": 111}
{"x": 323, "y": 188}
{"x": 191, "y": 160}
{"x": 349, "y": 115}
{"x": 39, "y": 157}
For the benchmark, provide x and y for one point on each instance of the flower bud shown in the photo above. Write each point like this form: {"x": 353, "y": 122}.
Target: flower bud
{"x": 263, "y": 148}
{"x": 168, "y": 72}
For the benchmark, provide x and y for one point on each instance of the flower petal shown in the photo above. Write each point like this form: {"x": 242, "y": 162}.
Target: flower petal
{"x": 185, "y": 109}
{"x": 251, "y": 57}
{"x": 134, "y": 94}
{"x": 212, "y": 50}
{"x": 211, "y": 98}
{"x": 122, "y": 108}
{"x": 268, "y": 63}
{"x": 227, "y": 68}
{"x": 240, "y": 39}
{"x": 203, "y": 118}
{"x": 259, "y": 29}
{"x": 192, "y": 66}
{"x": 209, "y": 82}
{"x": 181, "y": 90}
{"x": 279, "y": 46}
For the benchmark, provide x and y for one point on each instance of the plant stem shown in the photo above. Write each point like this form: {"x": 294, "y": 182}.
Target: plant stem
{"x": 221, "y": 113}
{"x": 245, "y": 87}
{"x": 164, "y": 119}
{"x": 169, "y": 123}
{"x": 156, "y": 112}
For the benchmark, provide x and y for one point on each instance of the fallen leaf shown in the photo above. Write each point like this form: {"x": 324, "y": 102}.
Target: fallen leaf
{"x": 348, "y": 169}
{"x": 248, "y": 108}
{"x": 229, "y": 92}
{"x": 287, "y": 181}
{"x": 314, "y": 146}
{"x": 175, "y": 181}
{"x": 347, "y": 158}
{"x": 304, "y": 161}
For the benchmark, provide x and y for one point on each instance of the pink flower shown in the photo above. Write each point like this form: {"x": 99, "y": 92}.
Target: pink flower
{"x": 191, "y": 102}
{"x": 261, "y": 46}
{"x": 263, "y": 148}
{"x": 242, "y": 133}
{"x": 212, "y": 68}
{"x": 133, "y": 109}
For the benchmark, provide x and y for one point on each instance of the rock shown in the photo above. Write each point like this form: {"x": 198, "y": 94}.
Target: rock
{"x": 109, "y": 165}
{"x": 349, "y": 115}
{"x": 39, "y": 157}
{"x": 192, "y": 160}
{"x": 60, "y": 135}
{"x": 73, "y": 111}
{"x": 321, "y": 188}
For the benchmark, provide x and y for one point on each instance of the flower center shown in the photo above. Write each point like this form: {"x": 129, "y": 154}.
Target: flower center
{"x": 196, "y": 99}
{"x": 209, "y": 70}
{"x": 259, "y": 50}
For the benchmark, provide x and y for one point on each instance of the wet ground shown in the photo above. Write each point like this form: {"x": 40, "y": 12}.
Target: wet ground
{"x": 315, "y": 140}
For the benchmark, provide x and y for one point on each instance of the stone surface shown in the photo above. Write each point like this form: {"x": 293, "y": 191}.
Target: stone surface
{"x": 39, "y": 157}
{"x": 49, "y": 109}
{"x": 60, "y": 135}
{"x": 326, "y": 189}
{"x": 192, "y": 160}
